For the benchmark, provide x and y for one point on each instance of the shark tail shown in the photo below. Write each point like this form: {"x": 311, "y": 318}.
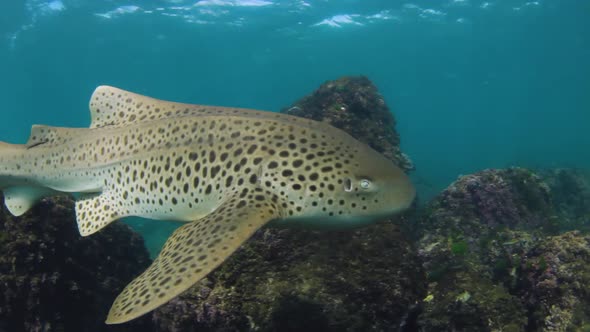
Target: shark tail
{"x": 19, "y": 196}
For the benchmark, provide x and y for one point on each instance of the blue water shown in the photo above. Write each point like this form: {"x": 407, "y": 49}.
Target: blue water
{"x": 473, "y": 84}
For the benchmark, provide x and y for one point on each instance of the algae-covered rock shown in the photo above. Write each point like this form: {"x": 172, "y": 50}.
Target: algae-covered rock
{"x": 555, "y": 283}
{"x": 488, "y": 217}
{"x": 493, "y": 259}
{"x": 52, "y": 279}
{"x": 570, "y": 189}
{"x": 295, "y": 280}
{"x": 472, "y": 240}
{"x": 515, "y": 198}
{"x": 287, "y": 280}
{"x": 354, "y": 105}
{"x": 467, "y": 302}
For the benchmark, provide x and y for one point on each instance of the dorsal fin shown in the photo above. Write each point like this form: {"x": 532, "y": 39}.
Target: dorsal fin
{"x": 41, "y": 135}
{"x": 110, "y": 106}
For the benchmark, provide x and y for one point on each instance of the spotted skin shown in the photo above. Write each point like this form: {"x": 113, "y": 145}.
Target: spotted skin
{"x": 225, "y": 171}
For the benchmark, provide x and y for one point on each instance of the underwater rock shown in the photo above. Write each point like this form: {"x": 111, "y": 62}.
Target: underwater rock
{"x": 515, "y": 198}
{"x": 490, "y": 215}
{"x": 570, "y": 189}
{"x": 354, "y": 105}
{"x": 52, "y": 279}
{"x": 296, "y": 280}
{"x": 555, "y": 283}
{"x": 473, "y": 238}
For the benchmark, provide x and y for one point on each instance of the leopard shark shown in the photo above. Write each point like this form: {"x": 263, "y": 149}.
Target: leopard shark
{"x": 225, "y": 172}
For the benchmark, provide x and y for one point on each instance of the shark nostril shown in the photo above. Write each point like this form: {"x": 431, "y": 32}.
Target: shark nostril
{"x": 347, "y": 185}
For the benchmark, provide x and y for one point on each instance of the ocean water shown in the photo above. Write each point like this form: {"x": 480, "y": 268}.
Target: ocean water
{"x": 473, "y": 84}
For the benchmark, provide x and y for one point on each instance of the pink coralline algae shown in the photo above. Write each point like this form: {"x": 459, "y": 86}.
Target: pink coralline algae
{"x": 555, "y": 282}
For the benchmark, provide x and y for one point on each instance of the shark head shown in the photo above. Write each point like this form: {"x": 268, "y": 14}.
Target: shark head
{"x": 370, "y": 189}
{"x": 348, "y": 185}
{"x": 376, "y": 186}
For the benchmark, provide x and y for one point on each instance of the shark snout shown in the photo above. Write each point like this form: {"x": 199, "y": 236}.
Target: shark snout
{"x": 402, "y": 192}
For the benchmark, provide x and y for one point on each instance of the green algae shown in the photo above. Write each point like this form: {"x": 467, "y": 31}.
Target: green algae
{"x": 4, "y": 237}
{"x": 542, "y": 263}
{"x": 459, "y": 248}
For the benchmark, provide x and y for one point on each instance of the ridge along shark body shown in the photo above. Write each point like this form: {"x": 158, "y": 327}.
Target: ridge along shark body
{"x": 224, "y": 171}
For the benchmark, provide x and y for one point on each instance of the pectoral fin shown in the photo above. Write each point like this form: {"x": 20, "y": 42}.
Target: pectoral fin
{"x": 192, "y": 252}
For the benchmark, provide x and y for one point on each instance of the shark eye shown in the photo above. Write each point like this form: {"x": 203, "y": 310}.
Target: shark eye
{"x": 365, "y": 184}
{"x": 347, "y": 185}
